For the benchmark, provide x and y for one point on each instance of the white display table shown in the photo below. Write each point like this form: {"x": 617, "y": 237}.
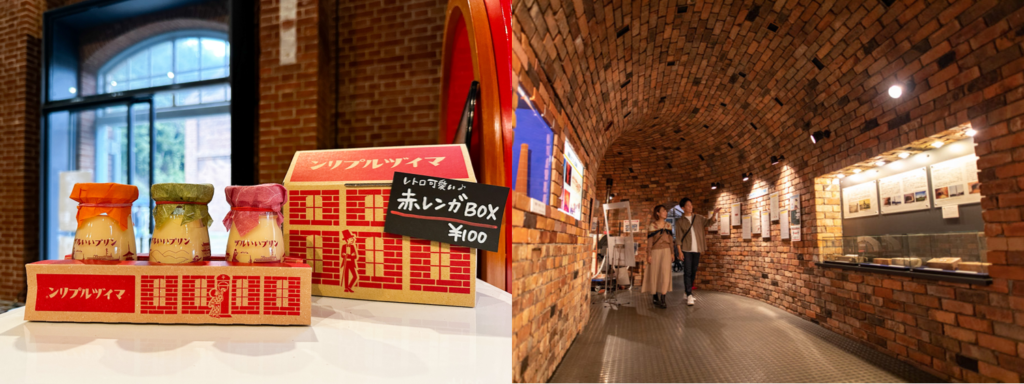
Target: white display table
{"x": 350, "y": 341}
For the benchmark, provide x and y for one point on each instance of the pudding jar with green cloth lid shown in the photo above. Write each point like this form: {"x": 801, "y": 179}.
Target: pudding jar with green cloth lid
{"x": 105, "y": 229}
{"x": 254, "y": 223}
{"x": 182, "y": 233}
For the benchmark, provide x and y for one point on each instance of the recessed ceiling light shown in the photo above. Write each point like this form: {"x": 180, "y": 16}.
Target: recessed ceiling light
{"x": 841, "y": 175}
{"x": 971, "y": 132}
{"x": 904, "y": 155}
{"x": 880, "y": 163}
{"x": 895, "y": 91}
{"x": 856, "y": 171}
{"x": 938, "y": 144}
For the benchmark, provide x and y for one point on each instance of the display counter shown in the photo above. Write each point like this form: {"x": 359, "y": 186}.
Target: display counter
{"x": 348, "y": 341}
{"x": 955, "y": 257}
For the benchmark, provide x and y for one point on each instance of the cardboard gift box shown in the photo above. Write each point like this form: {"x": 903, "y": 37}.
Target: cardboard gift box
{"x": 334, "y": 219}
{"x": 944, "y": 263}
{"x": 208, "y": 292}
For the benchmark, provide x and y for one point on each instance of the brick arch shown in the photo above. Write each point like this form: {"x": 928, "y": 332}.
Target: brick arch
{"x": 784, "y": 69}
{"x": 100, "y": 56}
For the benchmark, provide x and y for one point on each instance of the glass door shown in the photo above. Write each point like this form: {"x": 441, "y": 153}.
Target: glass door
{"x": 104, "y": 144}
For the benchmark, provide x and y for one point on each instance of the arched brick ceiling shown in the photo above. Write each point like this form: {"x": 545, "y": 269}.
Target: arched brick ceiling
{"x": 738, "y": 81}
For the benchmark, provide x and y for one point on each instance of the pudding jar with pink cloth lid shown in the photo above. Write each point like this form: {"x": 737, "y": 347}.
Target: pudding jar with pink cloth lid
{"x": 254, "y": 223}
{"x": 183, "y": 220}
{"x": 105, "y": 229}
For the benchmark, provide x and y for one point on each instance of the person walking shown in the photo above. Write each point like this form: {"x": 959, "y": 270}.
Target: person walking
{"x": 658, "y": 281}
{"x": 689, "y": 239}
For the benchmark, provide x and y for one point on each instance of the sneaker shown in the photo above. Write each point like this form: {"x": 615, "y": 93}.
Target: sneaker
{"x": 689, "y": 300}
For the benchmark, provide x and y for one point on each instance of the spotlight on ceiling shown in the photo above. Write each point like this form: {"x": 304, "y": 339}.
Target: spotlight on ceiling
{"x": 895, "y": 91}
{"x": 819, "y": 135}
{"x": 970, "y": 131}
{"x": 715, "y": 185}
{"x": 857, "y": 170}
{"x": 938, "y": 144}
{"x": 904, "y": 155}
{"x": 746, "y": 176}
{"x": 777, "y": 159}
{"x": 880, "y": 163}
{"x": 841, "y": 175}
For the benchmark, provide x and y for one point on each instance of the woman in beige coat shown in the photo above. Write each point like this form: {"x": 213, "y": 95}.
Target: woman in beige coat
{"x": 658, "y": 281}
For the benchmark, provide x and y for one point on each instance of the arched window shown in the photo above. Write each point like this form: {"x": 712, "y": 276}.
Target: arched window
{"x": 173, "y": 58}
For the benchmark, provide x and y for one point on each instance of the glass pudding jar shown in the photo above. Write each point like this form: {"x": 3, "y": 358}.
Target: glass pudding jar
{"x": 254, "y": 223}
{"x": 264, "y": 243}
{"x": 105, "y": 229}
{"x": 182, "y": 219}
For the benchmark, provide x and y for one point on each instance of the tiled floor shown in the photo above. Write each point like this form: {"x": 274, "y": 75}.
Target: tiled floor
{"x": 723, "y": 338}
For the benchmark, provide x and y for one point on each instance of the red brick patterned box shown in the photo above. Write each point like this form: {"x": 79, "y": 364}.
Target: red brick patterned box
{"x": 334, "y": 219}
{"x": 210, "y": 292}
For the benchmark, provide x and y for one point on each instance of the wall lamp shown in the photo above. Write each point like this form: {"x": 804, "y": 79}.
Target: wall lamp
{"x": 818, "y": 135}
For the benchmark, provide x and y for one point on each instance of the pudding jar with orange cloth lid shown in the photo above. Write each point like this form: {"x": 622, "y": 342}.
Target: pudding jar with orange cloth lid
{"x": 182, "y": 233}
{"x": 105, "y": 229}
{"x": 254, "y": 223}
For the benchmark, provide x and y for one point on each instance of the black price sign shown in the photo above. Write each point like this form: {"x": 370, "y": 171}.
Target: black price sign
{"x": 445, "y": 210}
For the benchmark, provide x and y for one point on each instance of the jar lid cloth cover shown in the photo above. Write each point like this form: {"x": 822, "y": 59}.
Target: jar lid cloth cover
{"x": 192, "y": 198}
{"x": 249, "y": 202}
{"x": 114, "y": 200}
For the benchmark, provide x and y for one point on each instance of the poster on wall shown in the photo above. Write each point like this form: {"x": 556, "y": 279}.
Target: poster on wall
{"x": 766, "y": 225}
{"x": 784, "y": 225}
{"x": 904, "y": 192}
{"x": 634, "y": 225}
{"x": 860, "y": 200}
{"x": 773, "y": 205}
{"x": 794, "y": 217}
{"x": 572, "y": 185}
{"x": 746, "y": 227}
{"x": 955, "y": 181}
{"x": 714, "y": 226}
{"x": 737, "y": 209}
{"x": 725, "y": 227}
{"x": 755, "y": 222}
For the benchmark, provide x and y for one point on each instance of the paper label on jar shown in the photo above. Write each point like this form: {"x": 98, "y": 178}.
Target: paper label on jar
{"x": 100, "y": 249}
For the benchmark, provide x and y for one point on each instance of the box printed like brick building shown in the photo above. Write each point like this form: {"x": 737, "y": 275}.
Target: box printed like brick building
{"x": 334, "y": 219}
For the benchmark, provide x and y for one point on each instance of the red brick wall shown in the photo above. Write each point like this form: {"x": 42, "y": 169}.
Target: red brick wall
{"x": 551, "y": 251}
{"x": 368, "y": 74}
{"x": 289, "y": 93}
{"x": 700, "y": 95}
{"x": 388, "y": 63}
{"x": 20, "y": 31}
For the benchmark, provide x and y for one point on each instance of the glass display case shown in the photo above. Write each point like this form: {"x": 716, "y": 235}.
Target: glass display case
{"x": 960, "y": 253}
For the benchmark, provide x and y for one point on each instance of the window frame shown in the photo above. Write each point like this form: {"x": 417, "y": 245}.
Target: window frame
{"x": 242, "y": 78}
{"x": 148, "y": 43}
